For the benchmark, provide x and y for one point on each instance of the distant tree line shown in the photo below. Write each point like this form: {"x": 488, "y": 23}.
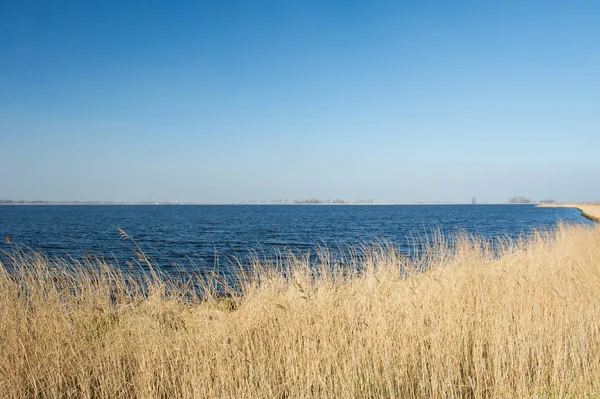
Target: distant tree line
{"x": 306, "y": 201}
{"x": 318, "y": 201}
{"x": 519, "y": 200}
{"x": 22, "y": 202}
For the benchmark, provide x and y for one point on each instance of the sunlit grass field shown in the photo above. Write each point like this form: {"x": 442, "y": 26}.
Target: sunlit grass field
{"x": 473, "y": 319}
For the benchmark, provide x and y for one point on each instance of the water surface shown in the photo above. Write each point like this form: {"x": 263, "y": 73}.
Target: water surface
{"x": 198, "y": 237}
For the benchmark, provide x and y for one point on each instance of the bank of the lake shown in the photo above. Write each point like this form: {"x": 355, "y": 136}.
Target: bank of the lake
{"x": 590, "y": 211}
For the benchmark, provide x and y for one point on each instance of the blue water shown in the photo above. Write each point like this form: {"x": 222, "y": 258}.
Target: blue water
{"x": 196, "y": 237}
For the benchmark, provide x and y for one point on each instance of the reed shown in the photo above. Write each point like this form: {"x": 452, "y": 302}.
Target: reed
{"x": 471, "y": 319}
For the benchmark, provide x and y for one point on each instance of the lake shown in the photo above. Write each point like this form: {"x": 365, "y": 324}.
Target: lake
{"x": 197, "y": 236}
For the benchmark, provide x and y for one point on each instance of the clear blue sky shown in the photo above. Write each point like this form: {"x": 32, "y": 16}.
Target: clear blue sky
{"x": 223, "y": 101}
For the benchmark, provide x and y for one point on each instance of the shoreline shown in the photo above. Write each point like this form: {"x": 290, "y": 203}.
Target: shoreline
{"x": 266, "y": 204}
{"x": 589, "y": 211}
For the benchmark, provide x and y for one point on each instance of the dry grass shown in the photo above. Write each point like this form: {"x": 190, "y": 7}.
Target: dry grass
{"x": 462, "y": 323}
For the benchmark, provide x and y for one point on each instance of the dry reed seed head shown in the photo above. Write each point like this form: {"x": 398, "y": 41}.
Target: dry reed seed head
{"x": 9, "y": 239}
{"x": 141, "y": 256}
{"x": 299, "y": 286}
{"x": 123, "y": 234}
{"x": 280, "y": 306}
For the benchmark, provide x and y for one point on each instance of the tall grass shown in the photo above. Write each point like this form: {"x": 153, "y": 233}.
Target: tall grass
{"x": 467, "y": 320}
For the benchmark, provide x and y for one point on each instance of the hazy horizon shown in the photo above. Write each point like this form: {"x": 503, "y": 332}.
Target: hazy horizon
{"x": 280, "y": 201}
{"x": 226, "y": 102}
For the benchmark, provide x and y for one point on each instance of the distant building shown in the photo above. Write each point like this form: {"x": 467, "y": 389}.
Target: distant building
{"x": 548, "y": 201}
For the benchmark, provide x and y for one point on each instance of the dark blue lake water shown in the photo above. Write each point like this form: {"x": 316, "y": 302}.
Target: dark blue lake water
{"x": 188, "y": 235}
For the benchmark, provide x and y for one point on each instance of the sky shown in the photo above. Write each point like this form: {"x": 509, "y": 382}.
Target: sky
{"x": 229, "y": 101}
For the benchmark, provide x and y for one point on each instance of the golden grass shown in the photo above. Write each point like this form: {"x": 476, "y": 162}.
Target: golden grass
{"x": 455, "y": 323}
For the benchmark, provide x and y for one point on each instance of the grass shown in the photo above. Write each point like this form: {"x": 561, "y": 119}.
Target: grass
{"x": 521, "y": 320}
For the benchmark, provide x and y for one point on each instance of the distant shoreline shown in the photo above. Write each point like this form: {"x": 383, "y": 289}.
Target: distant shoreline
{"x": 246, "y": 204}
